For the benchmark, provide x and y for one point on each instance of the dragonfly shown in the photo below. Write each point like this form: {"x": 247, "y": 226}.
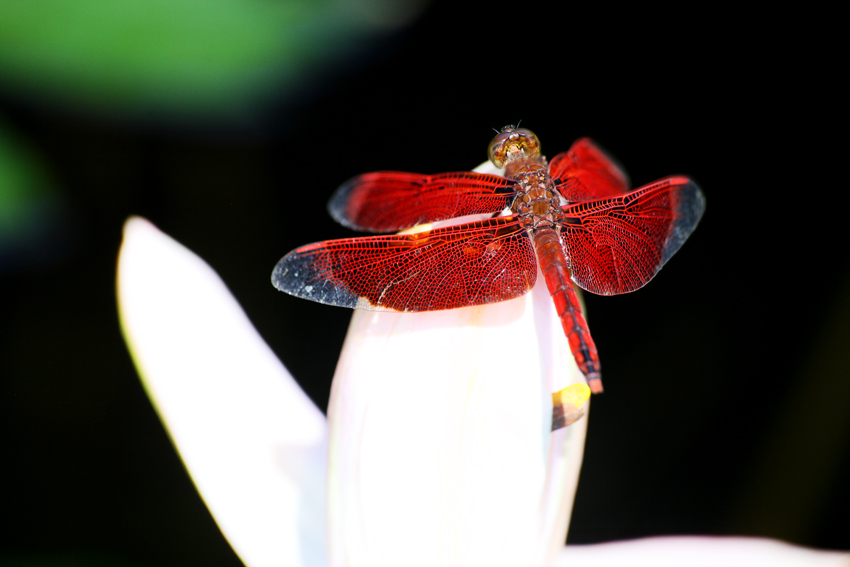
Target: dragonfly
{"x": 574, "y": 217}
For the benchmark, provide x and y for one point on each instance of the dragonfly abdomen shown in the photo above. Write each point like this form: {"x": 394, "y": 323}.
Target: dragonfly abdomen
{"x": 553, "y": 264}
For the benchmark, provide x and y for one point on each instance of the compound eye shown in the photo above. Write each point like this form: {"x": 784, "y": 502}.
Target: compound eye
{"x": 497, "y": 147}
{"x": 513, "y": 143}
{"x": 528, "y": 142}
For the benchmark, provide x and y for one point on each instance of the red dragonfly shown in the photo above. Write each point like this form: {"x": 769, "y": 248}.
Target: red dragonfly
{"x": 574, "y": 217}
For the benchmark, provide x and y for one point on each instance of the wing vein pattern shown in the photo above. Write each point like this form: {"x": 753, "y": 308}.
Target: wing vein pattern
{"x": 617, "y": 245}
{"x": 482, "y": 262}
{"x": 389, "y": 201}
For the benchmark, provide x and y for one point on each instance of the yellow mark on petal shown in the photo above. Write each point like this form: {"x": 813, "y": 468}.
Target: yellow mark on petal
{"x": 566, "y": 404}
{"x": 575, "y": 394}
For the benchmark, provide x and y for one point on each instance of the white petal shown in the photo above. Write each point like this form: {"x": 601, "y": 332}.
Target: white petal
{"x": 441, "y": 449}
{"x": 488, "y": 167}
{"x": 699, "y": 552}
{"x": 254, "y": 444}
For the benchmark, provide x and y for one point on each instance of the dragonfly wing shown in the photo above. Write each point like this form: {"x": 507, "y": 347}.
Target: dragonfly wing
{"x": 471, "y": 264}
{"x": 389, "y": 201}
{"x": 617, "y": 245}
{"x": 586, "y": 172}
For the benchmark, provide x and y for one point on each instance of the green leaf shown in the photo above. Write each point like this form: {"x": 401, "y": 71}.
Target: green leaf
{"x": 196, "y": 57}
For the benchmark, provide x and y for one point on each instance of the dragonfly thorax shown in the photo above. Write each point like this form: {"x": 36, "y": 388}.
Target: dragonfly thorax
{"x": 537, "y": 202}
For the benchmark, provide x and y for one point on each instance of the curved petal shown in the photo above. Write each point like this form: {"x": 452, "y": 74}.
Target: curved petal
{"x": 253, "y": 443}
{"x": 699, "y": 552}
{"x": 441, "y": 444}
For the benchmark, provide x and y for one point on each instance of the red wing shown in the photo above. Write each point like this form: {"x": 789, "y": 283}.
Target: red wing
{"x": 389, "y": 201}
{"x": 586, "y": 172}
{"x": 617, "y": 245}
{"x": 470, "y": 264}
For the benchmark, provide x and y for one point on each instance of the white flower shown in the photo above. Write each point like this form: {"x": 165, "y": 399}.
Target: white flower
{"x": 437, "y": 449}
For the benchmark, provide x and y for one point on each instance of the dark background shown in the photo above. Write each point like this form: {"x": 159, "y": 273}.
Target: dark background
{"x": 728, "y": 378}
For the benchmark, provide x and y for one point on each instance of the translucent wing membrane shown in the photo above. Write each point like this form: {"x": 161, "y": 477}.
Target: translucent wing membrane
{"x": 586, "y": 172}
{"x": 388, "y": 201}
{"x": 617, "y": 245}
{"x": 472, "y": 264}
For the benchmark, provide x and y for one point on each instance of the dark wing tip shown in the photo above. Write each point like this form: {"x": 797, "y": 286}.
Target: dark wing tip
{"x": 340, "y": 203}
{"x": 690, "y": 207}
{"x": 297, "y": 274}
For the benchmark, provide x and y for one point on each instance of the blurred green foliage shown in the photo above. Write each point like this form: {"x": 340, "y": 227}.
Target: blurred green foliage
{"x": 204, "y": 61}
{"x": 28, "y": 206}
{"x": 184, "y": 57}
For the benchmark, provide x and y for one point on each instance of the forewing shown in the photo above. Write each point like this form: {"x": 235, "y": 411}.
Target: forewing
{"x": 586, "y": 172}
{"x": 471, "y": 264}
{"x": 389, "y": 201}
{"x": 617, "y": 245}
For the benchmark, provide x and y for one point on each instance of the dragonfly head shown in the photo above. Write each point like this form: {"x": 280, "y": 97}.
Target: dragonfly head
{"x": 513, "y": 143}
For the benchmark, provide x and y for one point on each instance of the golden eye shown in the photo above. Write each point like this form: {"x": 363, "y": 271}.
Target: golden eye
{"x": 512, "y": 144}
{"x": 497, "y": 147}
